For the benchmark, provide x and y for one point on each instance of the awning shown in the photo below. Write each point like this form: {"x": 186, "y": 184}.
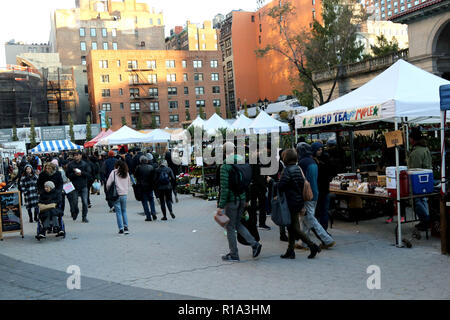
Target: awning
{"x": 55, "y": 146}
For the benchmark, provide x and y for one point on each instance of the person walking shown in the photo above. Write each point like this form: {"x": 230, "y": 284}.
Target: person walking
{"x": 258, "y": 189}
{"x": 107, "y": 168}
{"x": 291, "y": 183}
{"x": 28, "y": 186}
{"x": 165, "y": 182}
{"x": 233, "y": 206}
{"x": 145, "y": 178}
{"x": 79, "y": 174}
{"x": 121, "y": 178}
{"x": 309, "y": 169}
{"x": 64, "y": 180}
{"x": 420, "y": 158}
{"x": 50, "y": 173}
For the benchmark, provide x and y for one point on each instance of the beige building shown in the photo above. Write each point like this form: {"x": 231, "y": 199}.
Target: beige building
{"x": 193, "y": 37}
{"x": 102, "y": 25}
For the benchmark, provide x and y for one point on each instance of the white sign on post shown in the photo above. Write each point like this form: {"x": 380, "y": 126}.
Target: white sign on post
{"x": 199, "y": 161}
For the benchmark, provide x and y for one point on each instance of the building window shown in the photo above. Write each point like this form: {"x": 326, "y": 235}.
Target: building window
{"x": 151, "y": 64}
{"x": 184, "y": 63}
{"x": 121, "y": 106}
{"x": 133, "y": 79}
{"x": 214, "y": 63}
{"x": 152, "y": 78}
{"x": 216, "y": 103}
{"x": 106, "y": 106}
{"x": 172, "y": 91}
{"x": 185, "y": 77}
{"x": 204, "y": 46}
{"x": 82, "y": 32}
{"x": 390, "y": 13}
{"x": 135, "y": 106}
{"x": 173, "y": 104}
{"x": 93, "y": 32}
{"x": 153, "y": 93}
{"x": 94, "y": 45}
{"x": 132, "y": 64}
{"x": 409, "y": 5}
{"x": 120, "y": 92}
{"x": 214, "y": 76}
{"x": 199, "y": 90}
{"x": 86, "y": 89}
{"x": 105, "y": 78}
{"x": 159, "y": 22}
{"x": 83, "y": 46}
{"x": 158, "y": 120}
{"x": 106, "y": 93}
{"x": 118, "y": 63}
{"x": 216, "y": 89}
{"x": 395, "y": 10}
{"x": 197, "y": 63}
{"x": 154, "y": 106}
{"x": 104, "y": 33}
{"x": 114, "y": 46}
{"x": 83, "y": 60}
{"x": 395, "y": 4}
{"x": 171, "y": 77}
{"x": 134, "y": 93}
{"x": 260, "y": 28}
{"x": 170, "y": 64}
{"x": 120, "y": 77}
{"x": 174, "y": 118}
{"x": 198, "y": 76}
{"x": 105, "y": 45}
{"x": 114, "y": 32}
{"x": 259, "y": 39}
{"x": 110, "y": 121}
{"x": 151, "y": 21}
{"x": 186, "y": 90}
{"x": 103, "y": 64}
{"x": 402, "y": 8}
{"x": 313, "y": 14}
{"x": 200, "y": 103}
{"x": 313, "y": 2}
{"x": 253, "y": 18}
{"x": 229, "y": 64}
{"x": 186, "y": 104}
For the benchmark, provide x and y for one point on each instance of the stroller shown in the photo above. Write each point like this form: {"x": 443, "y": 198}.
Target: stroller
{"x": 55, "y": 214}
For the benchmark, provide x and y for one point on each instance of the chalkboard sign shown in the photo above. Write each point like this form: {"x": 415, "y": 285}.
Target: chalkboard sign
{"x": 11, "y": 213}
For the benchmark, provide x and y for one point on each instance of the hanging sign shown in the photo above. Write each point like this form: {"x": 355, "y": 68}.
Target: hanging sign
{"x": 394, "y": 138}
{"x": 339, "y": 117}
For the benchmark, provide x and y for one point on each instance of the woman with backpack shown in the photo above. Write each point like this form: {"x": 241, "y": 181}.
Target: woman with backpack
{"x": 28, "y": 186}
{"x": 291, "y": 183}
{"x": 165, "y": 182}
{"x": 121, "y": 178}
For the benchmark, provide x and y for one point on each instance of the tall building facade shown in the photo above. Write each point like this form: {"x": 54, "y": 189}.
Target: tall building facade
{"x": 164, "y": 87}
{"x": 14, "y": 49}
{"x": 193, "y": 37}
{"x": 385, "y": 9}
{"x": 102, "y": 25}
{"x": 249, "y": 79}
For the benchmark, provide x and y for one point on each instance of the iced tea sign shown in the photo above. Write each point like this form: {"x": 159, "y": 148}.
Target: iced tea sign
{"x": 340, "y": 117}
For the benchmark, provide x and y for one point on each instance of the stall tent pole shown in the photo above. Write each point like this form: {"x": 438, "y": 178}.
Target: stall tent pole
{"x": 444, "y": 226}
{"x": 352, "y": 148}
{"x": 397, "y": 173}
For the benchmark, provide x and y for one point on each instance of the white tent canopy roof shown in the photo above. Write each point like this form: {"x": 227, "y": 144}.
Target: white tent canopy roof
{"x": 242, "y": 122}
{"x": 158, "y": 136}
{"x": 264, "y": 122}
{"x": 198, "y": 122}
{"x": 124, "y": 135}
{"x": 214, "y": 123}
{"x": 402, "y": 90}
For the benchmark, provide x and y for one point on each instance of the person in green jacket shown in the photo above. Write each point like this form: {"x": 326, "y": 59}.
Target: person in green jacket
{"x": 233, "y": 206}
{"x": 420, "y": 158}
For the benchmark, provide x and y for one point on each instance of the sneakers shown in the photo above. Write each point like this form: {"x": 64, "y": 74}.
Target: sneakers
{"x": 120, "y": 231}
{"x": 41, "y": 236}
{"x": 154, "y": 217}
{"x": 228, "y": 257}
{"x": 328, "y": 246}
{"x": 164, "y": 219}
{"x": 61, "y": 233}
{"x": 264, "y": 227}
{"x": 126, "y": 231}
{"x": 172, "y": 215}
{"x": 256, "y": 250}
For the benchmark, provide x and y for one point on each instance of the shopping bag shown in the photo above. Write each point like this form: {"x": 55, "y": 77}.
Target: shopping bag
{"x": 96, "y": 187}
{"x": 222, "y": 219}
{"x": 281, "y": 215}
{"x": 68, "y": 187}
{"x": 137, "y": 188}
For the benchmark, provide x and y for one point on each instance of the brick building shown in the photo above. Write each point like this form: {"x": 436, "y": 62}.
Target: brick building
{"x": 385, "y": 9}
{"x": 193, "y": 37}
{"x": 168, "y": 87}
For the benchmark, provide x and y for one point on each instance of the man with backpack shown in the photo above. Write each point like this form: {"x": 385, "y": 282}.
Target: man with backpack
{"x": 234, "y": 180}
{"x": 165, "y": 182}
{"x": 145, "y": 180}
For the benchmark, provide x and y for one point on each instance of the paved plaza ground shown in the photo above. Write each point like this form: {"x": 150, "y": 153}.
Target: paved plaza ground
{"x": 181, "y": 259}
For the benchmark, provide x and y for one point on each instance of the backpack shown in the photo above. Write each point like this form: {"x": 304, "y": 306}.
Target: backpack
{"x": 240, "y": 178}
{"x": 164, "y": 178}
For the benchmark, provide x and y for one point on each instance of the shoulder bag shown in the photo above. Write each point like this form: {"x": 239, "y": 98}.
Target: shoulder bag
{"x": 280, "y": 215}
{"x": 111, "y": 193}
{"x": 308, "y": 195}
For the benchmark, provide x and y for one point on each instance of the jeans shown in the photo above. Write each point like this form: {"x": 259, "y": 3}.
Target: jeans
{"x": 323, "y": 205}
{"x": 165, "y": 197}
{"x": 309, "y": 222}
{"x": 421, "y": 209}
{"x": 147, "y": 196}
{"x": 234, "y": 212}
{"x": 121, "y": 212}
{"x": 295, "y": 233}
{"x": 73, "y": 201}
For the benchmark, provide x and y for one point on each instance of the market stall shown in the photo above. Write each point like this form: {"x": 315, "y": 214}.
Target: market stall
{"x": 124, "y": 135}
{"x": 101, "y": 135}
{"x": 215, "y": 123}
{"x": 264, "y": 123}
{"x": 55, "y": 146}
{"x": 242, "y": 123}
{"x": 401, "y": 94}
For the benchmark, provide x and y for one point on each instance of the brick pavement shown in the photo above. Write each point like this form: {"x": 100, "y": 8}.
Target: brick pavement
{"x": 181, "y": 257}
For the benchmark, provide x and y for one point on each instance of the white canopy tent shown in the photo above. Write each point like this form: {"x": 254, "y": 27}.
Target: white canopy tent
{"x": 158, "y": 136}
{"x": 242, "y": 122}
{"x": 214, "y": 123}
{"x": 401, "y": 91}
{"x": 124, "y": 135}
{"x": 265, "y": 123}
{"x": 198, "y": 122}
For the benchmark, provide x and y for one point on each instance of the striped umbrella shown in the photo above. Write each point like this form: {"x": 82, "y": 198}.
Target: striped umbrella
{"x": 55, "y": 146}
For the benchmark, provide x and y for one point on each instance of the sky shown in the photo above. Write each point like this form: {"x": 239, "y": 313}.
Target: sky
{"x": 29, "y": 20}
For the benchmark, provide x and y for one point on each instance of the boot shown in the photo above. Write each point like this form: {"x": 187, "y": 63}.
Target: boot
{"x": 314, "y": 249}
{"x": 290, "y": 254}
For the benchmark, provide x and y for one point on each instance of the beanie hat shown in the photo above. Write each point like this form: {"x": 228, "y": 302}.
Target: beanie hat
{"x": 315, "y": 147}
{"x": 143, "y": 159}
{"x": 49, "y": 184}
{"x": 55, "y": 162}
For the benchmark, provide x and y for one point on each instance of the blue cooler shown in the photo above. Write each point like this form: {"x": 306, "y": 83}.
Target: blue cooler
{"x": 422, "y": 181}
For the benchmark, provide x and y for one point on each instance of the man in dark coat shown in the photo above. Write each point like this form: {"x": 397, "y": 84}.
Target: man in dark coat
{"x": 145, "y": 178}
{"x": 79, "y": 173}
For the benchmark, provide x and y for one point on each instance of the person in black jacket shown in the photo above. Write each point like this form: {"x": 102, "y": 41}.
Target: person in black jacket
{"x": 78, "y": 172}
{"x": 91, "y": 179}
{"x": 165, "y": 182}
{"x": 50, "y": 217}
{"x": 291, "y": 183}
{"x": 145, "y": 178}
{"x": 50, "y": 173}
{"x": 258, "y": 199}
